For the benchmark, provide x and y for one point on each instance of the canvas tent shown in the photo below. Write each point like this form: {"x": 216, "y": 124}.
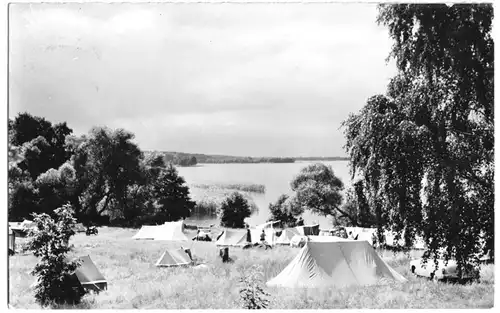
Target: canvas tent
{"x": 337, "y": 264}
{"x": 233, "y": 237}
{"x": 174, "y": 257}
{"x": 286, "y": 236}
{"x": 308, "y": 230}
{"x": 86, "y": 276}
{"x": 89, "y": 276}
{"x": 173, "y": 231}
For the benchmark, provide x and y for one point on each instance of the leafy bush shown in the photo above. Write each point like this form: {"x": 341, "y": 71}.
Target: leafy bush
{"x": 252, "y": 295}
{"x": 49, "y": 241}
{"x": 286, "y": 210}
{"x": 234, "y": 210}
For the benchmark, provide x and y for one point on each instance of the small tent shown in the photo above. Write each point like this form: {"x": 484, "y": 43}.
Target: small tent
{"x": 233, "y": 237}
{"x": 174, "y": 257}
{"x": 338, "y": 264}
{"x": 172, "y": 231}
{"x": 308, "y": 230}
{"x": 18, "y": 228}
{"x": 89, "y": 275}
{"x": 286, "y": 236}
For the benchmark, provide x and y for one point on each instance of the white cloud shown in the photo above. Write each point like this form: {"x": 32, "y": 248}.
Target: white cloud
{"x": 206, "y": 71}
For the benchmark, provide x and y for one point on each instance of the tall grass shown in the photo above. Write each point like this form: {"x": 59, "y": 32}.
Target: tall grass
{"x": 209, "y": 200}
{"x": 135, "y": 283}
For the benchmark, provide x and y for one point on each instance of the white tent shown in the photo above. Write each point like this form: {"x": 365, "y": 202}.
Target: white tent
{"x": 338, "y": 264}
{"x": 286, "y": 236}
{"x": 269, "y": 232}
{"x": 172, "y": 231}
{"x": 233, "y": 237}
{"x": 174, "y": 257}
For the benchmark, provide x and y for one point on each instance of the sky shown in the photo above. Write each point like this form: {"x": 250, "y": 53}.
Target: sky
{"x": 234, "y": 79}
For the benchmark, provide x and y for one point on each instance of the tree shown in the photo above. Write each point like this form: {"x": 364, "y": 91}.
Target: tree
{"x": 55, "y": 187}
{"x": 107, "y": 162}
{"x": 286, "y": 210}
{"x": 49, "y": 241}
{"x": 172, "y": 196}
{"x": 318, "y": 189}
{"x": 193, "y": 161}
{"x": 233, "y": 211}
{"x": 425, "y": 150}
{"x": 43, "y": 143}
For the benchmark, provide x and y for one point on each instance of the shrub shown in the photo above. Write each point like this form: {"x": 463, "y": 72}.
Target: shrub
{"x": 49, "y": 241}
{"x": 234, "y": 210}
{"x": 286, "y": 210}
{"x": 252, "y": 295}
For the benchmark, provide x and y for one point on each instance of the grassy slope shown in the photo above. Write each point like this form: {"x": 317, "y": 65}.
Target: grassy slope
{"x": 135, "y": 282}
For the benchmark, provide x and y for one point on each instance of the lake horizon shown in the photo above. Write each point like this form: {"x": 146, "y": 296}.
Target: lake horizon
{"x": 275, "y": 177}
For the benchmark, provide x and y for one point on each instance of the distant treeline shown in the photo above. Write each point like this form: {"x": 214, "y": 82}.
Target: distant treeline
{"x": 189, "y": 159}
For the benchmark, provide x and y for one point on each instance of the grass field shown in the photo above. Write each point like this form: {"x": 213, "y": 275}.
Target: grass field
{"x": 134, "y": 282}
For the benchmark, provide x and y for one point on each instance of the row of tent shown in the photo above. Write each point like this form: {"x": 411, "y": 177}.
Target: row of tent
{"x": 88, "y": 277}
{"x": 174, "y": 231}
{"x": 323, "y": 261}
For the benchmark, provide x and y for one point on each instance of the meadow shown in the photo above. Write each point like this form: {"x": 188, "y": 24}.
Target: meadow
{"x": 134, "y": 282}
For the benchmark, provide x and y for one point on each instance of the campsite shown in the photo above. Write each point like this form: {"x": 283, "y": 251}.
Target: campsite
{"x": 135, "y": 282}
{"x": 259, "y": 156}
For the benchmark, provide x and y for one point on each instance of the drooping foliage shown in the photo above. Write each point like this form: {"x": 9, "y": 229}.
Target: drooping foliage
{"x": 424, "y": 151}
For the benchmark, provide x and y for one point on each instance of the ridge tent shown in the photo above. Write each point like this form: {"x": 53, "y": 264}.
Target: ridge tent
{"x": 86, "y": 276}
{"x": 18, "y": 228}
{"x": 267, "y": 225}
{"x": 146, "y": 232}
{"x": 269, "y": 233}
{"x": 308, "y": 230}
{"x": 174, "y": 257}
{"x": 172, "y": 231}
{"x": 89, "y": 276}
{"x": 233, "y": 237}
{"x": 338, "y": 264}
{"x": 286, "y": 236}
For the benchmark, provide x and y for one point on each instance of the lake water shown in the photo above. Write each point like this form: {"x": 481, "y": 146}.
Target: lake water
{"x": 275, "y": 176}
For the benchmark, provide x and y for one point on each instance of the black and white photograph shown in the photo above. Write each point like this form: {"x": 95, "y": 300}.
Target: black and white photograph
{"x": 249, "y": 155}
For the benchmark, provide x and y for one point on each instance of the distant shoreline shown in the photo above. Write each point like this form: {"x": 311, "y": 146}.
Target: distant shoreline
{"x": 228, "y": 159}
